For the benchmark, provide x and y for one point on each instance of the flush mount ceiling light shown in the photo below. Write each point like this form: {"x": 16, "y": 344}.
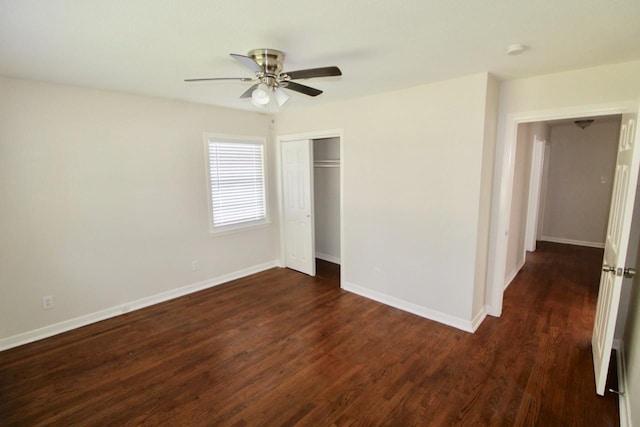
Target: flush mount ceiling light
{"x": 515, "y": 49}
{"x": 270, "y": 81}
{"x": 583, "y": 123}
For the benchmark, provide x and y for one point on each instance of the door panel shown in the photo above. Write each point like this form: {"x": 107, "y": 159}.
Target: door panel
{"x": 298, "y": 206}
{"x": 615, "y": 252}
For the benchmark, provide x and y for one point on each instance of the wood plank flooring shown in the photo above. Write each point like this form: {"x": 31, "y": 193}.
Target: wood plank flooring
{"x": 281, "y": 349}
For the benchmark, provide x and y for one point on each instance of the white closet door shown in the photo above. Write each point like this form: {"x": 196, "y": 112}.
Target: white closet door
{"x": 297, "y": 184}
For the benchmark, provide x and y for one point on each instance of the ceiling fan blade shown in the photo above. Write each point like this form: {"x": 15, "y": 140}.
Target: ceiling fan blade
{"x": 301, "y": 88}
{"x": 248, "y": 62}
{"x": 242, "y": 79}
{"x": 314, "y": 72}
{"x": 249, "y": 91}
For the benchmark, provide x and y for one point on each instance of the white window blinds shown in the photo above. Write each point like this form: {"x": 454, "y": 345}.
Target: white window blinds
{"x": 236, "y": 172}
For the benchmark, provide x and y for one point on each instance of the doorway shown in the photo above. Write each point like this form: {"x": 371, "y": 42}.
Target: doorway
{"x": 619, "y": 230}
{"x": 505, "y": 163}
{"x": 313, "y": 236}
{"x": 563, "y": 182}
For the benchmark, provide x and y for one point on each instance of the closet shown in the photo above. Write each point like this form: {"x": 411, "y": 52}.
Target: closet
{"x": 326, "y": 194}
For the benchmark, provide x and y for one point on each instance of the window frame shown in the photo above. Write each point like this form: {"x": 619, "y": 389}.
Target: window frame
{"x": 235, "y": 139}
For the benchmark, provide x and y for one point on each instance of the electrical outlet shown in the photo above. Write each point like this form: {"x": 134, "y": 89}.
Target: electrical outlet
{"x": 195, "y": 265}
{"x": 47, "y": 302}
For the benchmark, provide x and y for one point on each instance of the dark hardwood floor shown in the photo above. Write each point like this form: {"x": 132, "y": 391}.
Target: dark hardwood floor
{"x": 280, "y": 348}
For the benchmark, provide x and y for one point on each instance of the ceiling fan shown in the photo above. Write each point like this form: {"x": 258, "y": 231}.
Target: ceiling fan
{"x": 271, "y": 80}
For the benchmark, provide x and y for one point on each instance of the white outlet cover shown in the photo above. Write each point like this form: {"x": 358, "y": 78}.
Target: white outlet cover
{"x": 47, "y": 302}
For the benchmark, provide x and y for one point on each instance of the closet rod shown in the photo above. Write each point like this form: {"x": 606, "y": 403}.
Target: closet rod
{"x": 334, "y": 165}
{"x": 330, "y": 163}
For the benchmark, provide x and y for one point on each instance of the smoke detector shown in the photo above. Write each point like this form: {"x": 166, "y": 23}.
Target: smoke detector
{"x": 515, "y": 49}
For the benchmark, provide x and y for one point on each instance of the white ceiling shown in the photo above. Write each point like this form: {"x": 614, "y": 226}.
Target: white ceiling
{"x": 150, "y": 46}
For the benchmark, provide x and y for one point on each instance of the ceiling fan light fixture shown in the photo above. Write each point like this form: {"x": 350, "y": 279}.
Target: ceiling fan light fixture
{"x": 260, "y": 96}
{"x": 281, "y": 96}
{"x": 270, "y": 80}
{"x": 582, "y": 124}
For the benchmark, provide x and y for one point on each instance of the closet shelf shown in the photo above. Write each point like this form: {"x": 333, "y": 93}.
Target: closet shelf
{"x": 333, "y": 163}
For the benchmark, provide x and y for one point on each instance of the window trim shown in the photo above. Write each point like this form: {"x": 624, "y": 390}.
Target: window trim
{"x": 248, "y": 225}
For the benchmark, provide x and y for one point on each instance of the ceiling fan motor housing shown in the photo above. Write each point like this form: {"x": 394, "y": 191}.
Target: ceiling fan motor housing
{"x": 269, "y": 59}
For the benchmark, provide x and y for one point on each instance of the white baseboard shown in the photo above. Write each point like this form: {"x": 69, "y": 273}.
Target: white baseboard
{"x": 513, "y": 274}
{"x": 478, "y": 319}
{"x": 427, "y": 313}
{"x": 623, "y": 399}
{"x": 328, "y": 258}
{"x": 67, "y": 325}
{"x": 572, "y": 242}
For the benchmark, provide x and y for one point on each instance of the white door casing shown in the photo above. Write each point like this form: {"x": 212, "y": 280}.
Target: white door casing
{"x": 615, "y": 253}
{"x": 297, "y": 182}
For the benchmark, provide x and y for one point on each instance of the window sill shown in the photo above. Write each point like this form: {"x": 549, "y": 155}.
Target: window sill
{"x": 231, "y": 229}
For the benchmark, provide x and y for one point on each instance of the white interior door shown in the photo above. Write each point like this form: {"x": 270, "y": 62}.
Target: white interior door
{"x": 615, "y": 252}
{"x": 297, "y": 185}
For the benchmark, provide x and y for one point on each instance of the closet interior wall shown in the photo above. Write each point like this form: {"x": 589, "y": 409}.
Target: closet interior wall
{"x": 326, "y": 183}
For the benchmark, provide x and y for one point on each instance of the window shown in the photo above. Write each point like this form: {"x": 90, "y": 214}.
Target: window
{"x": 236, "y": 171}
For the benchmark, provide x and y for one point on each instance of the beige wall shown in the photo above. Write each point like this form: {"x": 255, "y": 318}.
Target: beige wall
{"x": 539, "y": 131}
{"x": 576, "y": 200}
{"x": 326, "y": 183}
{"x": 104, "y": 201}
{"x": 520, "y": 197}
{"x": 632, "y": 347}
{"x": 492, "y": 100}
{"x": 519, "y": 201}
{"x": 628, "y": 321}
{"x": 412, "y": 191}
{"x": 589, "y": 86}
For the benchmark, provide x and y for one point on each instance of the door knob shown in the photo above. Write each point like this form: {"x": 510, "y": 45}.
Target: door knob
{"x": 629, "y": 273}
{"x": 608, "y": 269}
